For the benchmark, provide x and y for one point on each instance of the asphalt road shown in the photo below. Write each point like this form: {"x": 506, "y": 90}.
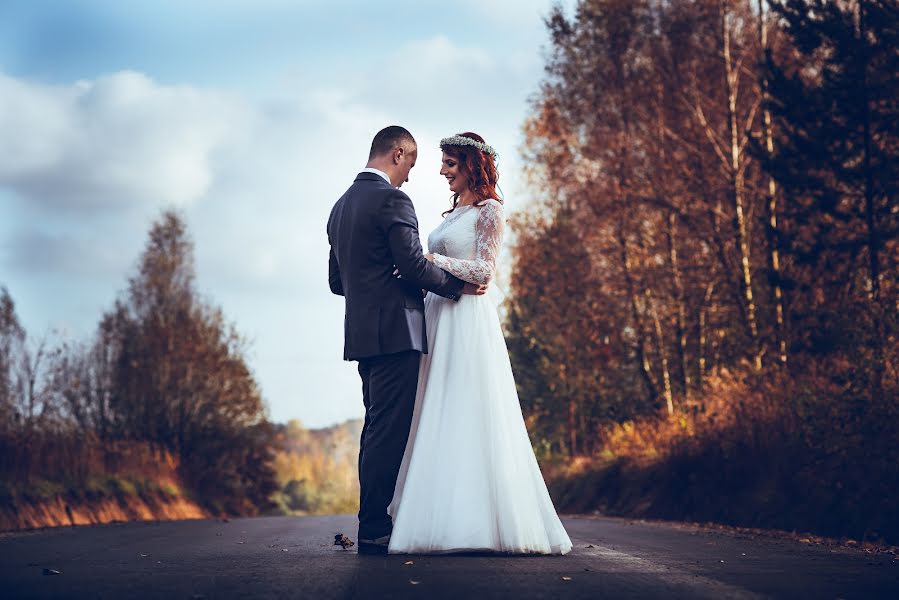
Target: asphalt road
{"x": 293, "y": 557}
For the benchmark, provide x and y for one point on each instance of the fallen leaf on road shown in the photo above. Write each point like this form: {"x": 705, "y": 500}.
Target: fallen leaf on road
{"x": 566, "y": 578}
{"x": 226, "y": 520}
{"x": 414, "y": 582}
{"x": 408, "y": 562}
{"x": 343, "y": 541}
{"x": 283, "y": 549}
{"x": 241, "y": 542}
{"x": 51, "y": 571}
{"x": 590, "y": 546}
{"x": 144, "y": 555}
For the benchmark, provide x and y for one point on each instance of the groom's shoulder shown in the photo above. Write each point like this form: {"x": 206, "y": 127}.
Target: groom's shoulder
{"x": 384, "y": 194}
{"x": 397, "y": 201}
{"x": 368, "y": 184}
{"x": 370, "y": 194}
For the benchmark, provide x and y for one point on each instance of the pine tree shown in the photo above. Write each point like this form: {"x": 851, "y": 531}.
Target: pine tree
{"x": 836, "y": 121}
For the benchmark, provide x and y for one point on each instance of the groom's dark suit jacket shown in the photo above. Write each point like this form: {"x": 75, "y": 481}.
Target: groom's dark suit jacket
{"x": 373, "y": 230}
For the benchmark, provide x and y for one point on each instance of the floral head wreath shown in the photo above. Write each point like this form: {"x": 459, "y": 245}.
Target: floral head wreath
{"x": 461, "y": 140}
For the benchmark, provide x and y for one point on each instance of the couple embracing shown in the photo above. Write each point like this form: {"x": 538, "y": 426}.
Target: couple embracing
{"x": 445, "y": 462}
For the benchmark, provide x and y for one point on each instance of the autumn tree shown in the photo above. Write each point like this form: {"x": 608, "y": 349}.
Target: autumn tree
{"x": 12, "y": 337}
{"x": 165, "y": 369}
{"x": 560, "y": 328}
{"x": 178, "y": 376}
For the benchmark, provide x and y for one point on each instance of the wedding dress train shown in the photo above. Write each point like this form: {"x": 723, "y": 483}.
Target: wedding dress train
{"x": 469, "y": 480}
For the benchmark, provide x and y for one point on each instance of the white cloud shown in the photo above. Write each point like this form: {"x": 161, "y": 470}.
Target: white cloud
{"x": 117, "y": 140}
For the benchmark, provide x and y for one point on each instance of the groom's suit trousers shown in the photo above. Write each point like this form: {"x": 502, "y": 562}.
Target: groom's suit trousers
{"x": 388, "y": 391}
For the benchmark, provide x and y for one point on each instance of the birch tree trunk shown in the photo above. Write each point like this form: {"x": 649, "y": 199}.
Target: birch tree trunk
{"x": 572, "y": 429}
{"x": 737, "y": 186}
{"x": 681, "y": 306}
{"x": 703, "y": 335}
{"x": 773, "y": 236}
{"x": 663, "y": 352}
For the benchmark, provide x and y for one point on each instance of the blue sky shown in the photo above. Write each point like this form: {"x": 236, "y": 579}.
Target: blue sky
{"x": 251, "y": 117}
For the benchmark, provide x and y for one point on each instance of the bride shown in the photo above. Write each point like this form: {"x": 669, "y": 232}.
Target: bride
{"x": 469, "y": 480}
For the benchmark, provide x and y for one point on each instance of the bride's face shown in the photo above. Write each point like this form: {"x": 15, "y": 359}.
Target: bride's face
{"x": 449, "y": 168}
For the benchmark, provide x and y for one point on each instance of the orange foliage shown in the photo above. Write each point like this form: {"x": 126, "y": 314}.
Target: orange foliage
{"x": 807, "y": 453}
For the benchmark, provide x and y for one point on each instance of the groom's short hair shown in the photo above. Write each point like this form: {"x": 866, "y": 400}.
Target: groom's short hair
{"x": 389, "y": 138}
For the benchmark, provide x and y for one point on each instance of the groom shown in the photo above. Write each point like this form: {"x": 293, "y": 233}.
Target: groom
{"x": 373, "y": 232}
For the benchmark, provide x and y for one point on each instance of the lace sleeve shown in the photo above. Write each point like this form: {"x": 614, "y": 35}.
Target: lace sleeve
{"x": 489, "y": 236}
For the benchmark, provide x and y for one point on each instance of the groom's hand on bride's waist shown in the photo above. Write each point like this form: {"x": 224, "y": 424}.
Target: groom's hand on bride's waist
{"x": 474, "y": 289}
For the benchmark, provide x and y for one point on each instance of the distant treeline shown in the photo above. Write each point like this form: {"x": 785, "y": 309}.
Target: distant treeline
{"x": 706, "y": 284}
{"x": 316, "y": 469}
{"x": 164, "y": 370}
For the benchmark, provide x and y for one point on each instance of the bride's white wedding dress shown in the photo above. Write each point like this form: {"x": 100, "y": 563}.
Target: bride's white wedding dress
{"x": 469, "y": 480}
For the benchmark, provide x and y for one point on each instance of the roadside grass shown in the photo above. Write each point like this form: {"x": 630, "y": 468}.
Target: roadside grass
{"x": 796, "y": 455}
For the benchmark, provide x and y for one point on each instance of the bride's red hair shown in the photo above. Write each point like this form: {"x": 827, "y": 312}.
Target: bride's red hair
{"x": 477, "y": 166}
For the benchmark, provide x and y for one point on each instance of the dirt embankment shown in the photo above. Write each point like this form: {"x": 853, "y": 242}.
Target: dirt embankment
{"x": 66, "y": 482}
{"x": 61, "y": 511}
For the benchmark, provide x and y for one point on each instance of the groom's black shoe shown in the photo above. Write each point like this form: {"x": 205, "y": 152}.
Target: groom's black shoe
{"x": 376, "y": 546}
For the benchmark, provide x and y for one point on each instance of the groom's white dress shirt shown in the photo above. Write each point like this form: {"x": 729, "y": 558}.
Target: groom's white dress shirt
{"x": 377, "y": 172}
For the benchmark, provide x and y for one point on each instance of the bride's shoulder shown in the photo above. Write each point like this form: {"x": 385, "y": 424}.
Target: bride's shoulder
{"x": 490, "y": 213}
{"x": 492, "y": 203}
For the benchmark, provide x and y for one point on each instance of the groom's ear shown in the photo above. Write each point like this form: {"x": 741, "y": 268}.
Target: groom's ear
{"x": 398, "y": 154}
